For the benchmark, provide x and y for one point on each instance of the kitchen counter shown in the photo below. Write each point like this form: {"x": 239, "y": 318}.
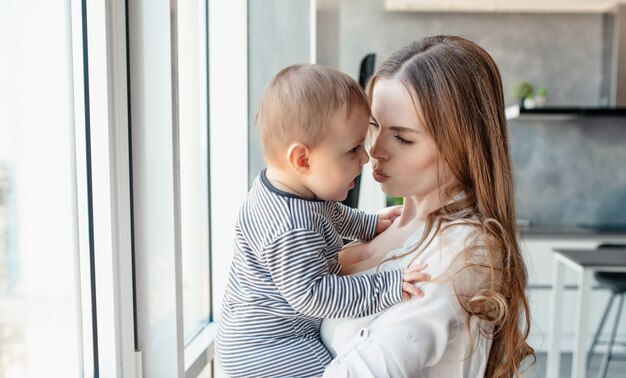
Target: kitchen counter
{"x": 571, "y": 231}
{"x": 561, "y": 113}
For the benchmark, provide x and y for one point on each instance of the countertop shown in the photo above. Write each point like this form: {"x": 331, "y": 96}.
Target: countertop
{"x": 572, "y": 231}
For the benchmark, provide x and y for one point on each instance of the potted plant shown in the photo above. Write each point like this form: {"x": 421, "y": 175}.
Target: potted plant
{"x": 541, "y": 98}
{"x": 523, "y": 90}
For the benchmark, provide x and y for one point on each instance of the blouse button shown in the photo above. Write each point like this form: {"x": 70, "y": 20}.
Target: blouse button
{"x": 364, "y": 333}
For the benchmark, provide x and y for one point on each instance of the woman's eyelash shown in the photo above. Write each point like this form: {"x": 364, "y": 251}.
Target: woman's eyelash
{"x": 374, "y": 124}
{"x": 402, "y": 140}
{"x": 353, "y": 150}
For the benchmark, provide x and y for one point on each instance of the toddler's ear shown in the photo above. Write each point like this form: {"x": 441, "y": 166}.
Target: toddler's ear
{"x": 298, "y": 157}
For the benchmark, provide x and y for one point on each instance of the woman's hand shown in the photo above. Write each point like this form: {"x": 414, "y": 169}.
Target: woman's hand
{"x": 410, "y": 276}
{"x": 386, "y": 217}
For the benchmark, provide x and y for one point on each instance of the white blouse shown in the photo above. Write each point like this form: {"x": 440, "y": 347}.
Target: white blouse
{"x": 422, "y": 337}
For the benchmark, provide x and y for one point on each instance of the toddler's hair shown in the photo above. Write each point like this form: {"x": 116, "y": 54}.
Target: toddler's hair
{"x": 299, "y": 101}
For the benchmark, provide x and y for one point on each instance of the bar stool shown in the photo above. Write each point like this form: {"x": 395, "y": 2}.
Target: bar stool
{"x": 616, "y": 282}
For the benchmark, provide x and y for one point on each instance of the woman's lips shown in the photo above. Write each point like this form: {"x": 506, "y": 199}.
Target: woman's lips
{"x": 379, "y": 176}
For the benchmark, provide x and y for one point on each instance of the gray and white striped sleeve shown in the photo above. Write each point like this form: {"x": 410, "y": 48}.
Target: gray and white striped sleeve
{"x": 355, "y": 224}
{"x": 302, "y": 274}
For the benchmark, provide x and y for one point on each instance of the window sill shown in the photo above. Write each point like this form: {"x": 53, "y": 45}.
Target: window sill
{"x": 200, "y": 351}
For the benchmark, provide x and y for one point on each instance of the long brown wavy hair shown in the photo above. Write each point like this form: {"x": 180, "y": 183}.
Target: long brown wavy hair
{"x": 458, "y": 88}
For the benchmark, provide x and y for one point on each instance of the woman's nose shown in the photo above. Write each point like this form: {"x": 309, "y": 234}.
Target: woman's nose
{"x": 376, "y": 151}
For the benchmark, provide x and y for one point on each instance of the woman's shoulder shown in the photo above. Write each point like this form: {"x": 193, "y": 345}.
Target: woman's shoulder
{"x": 463, "y": 231}
{"x": 458, "y": 242}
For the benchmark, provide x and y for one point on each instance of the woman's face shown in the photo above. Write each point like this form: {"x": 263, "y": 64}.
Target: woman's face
{"x": 404, "y": 155}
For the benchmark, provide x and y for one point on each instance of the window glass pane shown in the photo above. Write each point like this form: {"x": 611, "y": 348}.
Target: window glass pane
{"x": 39, "y": 298}
{"x": 193, "y": 126}
{"x": 278, "y": 35}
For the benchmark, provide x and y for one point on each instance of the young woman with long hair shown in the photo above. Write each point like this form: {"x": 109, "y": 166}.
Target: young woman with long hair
{"x": 439, "y": 139}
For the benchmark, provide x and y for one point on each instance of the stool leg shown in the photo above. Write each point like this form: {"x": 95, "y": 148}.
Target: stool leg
{"x": 599, "y": 330}
{"x": 607, "y": 355}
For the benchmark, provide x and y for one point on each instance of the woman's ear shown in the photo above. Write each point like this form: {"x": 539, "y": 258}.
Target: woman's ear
{"x": 298, "y": 157}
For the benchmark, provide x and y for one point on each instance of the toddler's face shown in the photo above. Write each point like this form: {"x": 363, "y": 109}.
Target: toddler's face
{"x": 338, "y": 159}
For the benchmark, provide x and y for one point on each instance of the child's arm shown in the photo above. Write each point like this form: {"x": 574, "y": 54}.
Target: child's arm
{"x": 386, "y": 217}
{"x": 299, "y": 267}
{"x": 355, "y": 224}
{"x": 358, "y": 225}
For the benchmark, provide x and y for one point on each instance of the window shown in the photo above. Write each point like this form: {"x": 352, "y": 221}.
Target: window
{"x": 104, "y": 183}
{"x": 39, "y": 262}
{"x": 194, "y": 169}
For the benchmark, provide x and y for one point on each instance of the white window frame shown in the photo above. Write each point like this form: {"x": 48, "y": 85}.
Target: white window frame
{"x": 104, "y": 163}
{"x": 108, "y": 164}
{"x": 228, "y": 97}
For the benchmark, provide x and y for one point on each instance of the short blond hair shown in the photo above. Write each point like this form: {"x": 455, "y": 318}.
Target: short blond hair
{"x": 299, "y": 101}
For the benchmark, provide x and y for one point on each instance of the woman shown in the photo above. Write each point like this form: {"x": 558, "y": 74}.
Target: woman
{"x": 439, "y": 140}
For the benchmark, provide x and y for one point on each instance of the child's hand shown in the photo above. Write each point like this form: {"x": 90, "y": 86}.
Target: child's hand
{"x": 410, "y": 276}
{"x": 386, "y": 217}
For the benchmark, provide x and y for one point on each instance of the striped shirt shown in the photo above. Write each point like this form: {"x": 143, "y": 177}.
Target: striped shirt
{"x": 284, "y": 279}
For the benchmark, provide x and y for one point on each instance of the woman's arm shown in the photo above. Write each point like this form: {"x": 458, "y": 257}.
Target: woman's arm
{"x": 360, "y": 256}
{"x": 413, "y": 335}
{"x": 352, "y": 253}
{"x": 403, "y": 340}
{"x": 357, "y": 266}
